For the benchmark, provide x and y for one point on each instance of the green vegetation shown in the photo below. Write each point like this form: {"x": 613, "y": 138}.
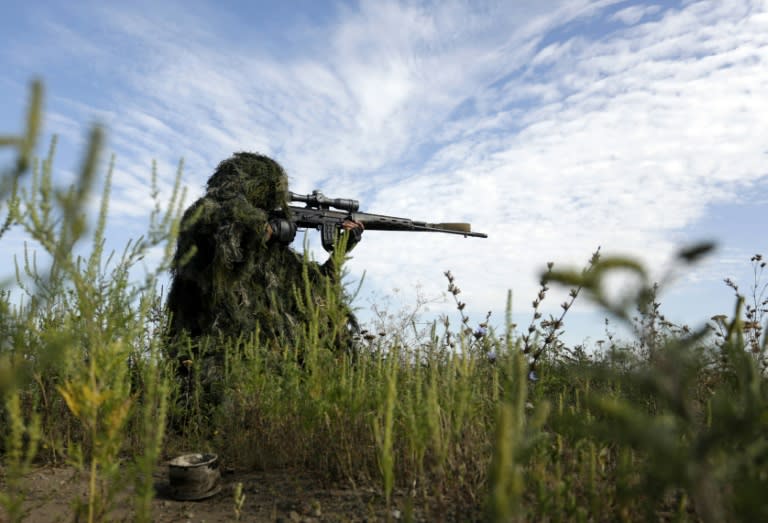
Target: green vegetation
{"x": 447, "y": 425}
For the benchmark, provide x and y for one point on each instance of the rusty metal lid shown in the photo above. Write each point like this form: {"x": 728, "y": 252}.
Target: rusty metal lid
{"x": 194, "y": 477}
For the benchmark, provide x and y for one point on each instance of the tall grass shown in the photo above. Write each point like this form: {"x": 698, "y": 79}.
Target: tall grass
{"x": 458, "y": 422}
{"x": 80, "y": 343}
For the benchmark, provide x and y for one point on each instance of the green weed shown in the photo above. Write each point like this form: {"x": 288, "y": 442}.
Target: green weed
{"x": 445, "y": 422}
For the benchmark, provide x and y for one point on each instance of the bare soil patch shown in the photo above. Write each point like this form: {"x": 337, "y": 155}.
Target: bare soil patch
{"x": 286, "y": 496}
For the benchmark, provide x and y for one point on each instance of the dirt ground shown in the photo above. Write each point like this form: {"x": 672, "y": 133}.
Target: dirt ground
{"x": 269, "y": 496}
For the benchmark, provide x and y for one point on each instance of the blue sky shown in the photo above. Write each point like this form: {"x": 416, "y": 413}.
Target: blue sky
{"x": 554, "y": 126}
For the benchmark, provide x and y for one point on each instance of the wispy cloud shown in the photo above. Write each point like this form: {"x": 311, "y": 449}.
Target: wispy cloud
{"x": 621, "y": 142}
{"x": 554, "y": 127}
{"x": 633, "y": 14}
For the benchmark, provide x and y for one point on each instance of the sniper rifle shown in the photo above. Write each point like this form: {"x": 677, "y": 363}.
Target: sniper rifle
{"x": 319, "y": 214}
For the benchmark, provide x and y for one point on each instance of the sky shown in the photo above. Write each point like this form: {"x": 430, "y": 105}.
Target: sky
{"x": 554, "y": 126}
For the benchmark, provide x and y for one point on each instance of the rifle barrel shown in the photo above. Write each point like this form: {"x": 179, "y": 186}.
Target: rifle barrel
{"x": 380, "y": 222}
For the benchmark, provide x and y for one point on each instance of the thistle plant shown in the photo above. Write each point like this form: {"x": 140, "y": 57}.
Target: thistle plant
{"x": 469, "y": 338}
{"x": 543, "y": 335}
{"x": 755, "y": 311}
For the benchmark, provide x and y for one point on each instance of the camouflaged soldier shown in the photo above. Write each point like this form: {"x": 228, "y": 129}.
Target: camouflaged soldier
{"x": 234, "y": 275}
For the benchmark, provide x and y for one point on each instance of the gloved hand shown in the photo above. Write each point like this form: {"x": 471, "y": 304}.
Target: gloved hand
{"x": 355, "y": 230}
{"x": 283, "y": 231}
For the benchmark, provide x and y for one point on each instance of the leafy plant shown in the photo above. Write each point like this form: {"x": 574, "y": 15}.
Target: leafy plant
{"x": 78, "y": 345}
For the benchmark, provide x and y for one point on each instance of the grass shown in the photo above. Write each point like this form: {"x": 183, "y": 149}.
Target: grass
{"x": 447, "y": 424}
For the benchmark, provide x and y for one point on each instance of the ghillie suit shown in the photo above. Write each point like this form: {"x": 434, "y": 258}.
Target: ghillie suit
{"x": 232, "y": 281}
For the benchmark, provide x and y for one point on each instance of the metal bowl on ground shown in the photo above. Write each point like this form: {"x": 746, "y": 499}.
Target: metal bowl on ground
{"x": 194, "y": 476}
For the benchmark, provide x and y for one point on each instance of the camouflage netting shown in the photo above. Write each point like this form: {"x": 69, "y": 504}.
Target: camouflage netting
{"x": 228, "y": 279}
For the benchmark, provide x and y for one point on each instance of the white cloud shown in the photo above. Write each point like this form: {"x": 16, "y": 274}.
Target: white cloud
{"x": 649, "y": 131}
{"x": 463, "y": 112}
{"x": 633, "y": 14}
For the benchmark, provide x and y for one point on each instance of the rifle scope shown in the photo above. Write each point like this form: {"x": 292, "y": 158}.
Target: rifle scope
{"x": 318, "y": 200}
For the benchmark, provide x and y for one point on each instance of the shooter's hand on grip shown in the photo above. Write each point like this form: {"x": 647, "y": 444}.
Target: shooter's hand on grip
{"x": 355, "y": 229}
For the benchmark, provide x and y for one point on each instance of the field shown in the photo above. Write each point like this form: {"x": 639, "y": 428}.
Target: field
{"x": 458, "y": 422}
